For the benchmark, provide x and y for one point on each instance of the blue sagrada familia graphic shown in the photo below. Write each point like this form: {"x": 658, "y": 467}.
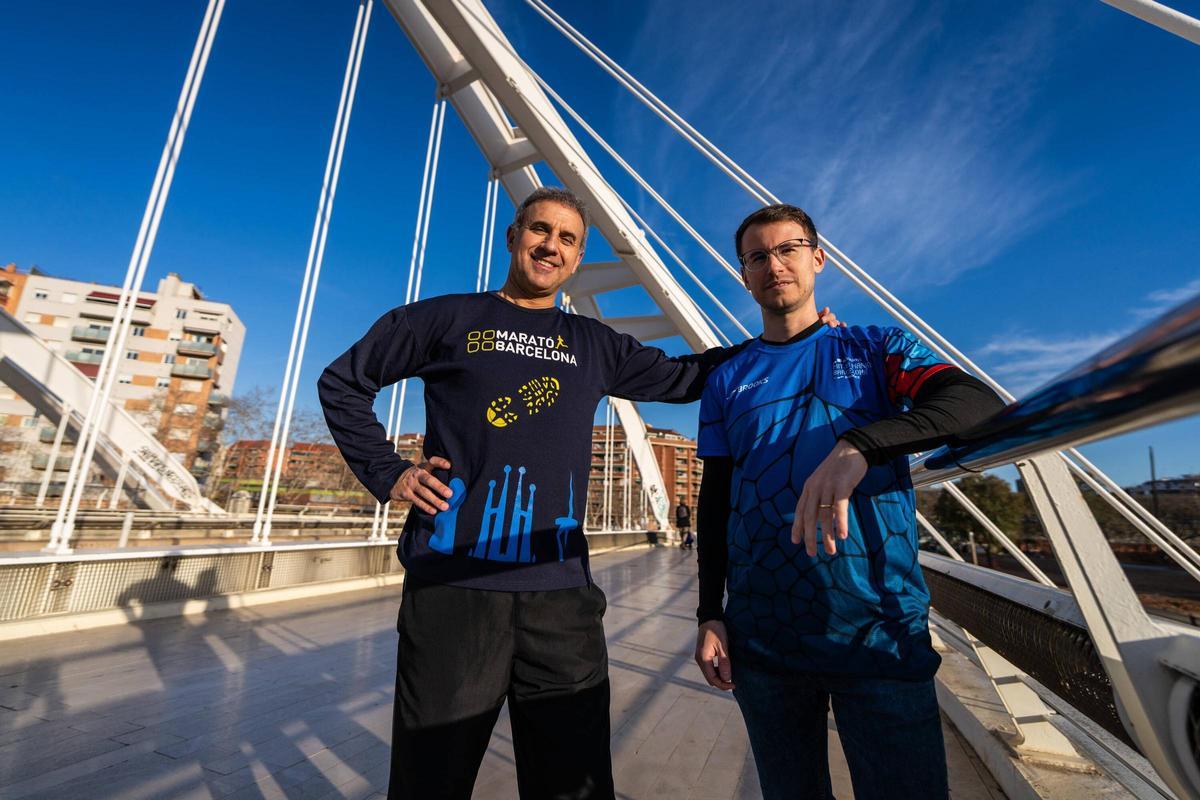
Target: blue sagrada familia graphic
{"x": 566, "y": 524}
{"x": 492, "y": 544}
{"x": 446, "y": 521}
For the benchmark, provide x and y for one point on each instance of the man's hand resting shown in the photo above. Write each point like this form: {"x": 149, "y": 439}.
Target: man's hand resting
{"x": 418, "y": 486}
{"x": 826, "y": 499}
{"x": 712, "y": 645}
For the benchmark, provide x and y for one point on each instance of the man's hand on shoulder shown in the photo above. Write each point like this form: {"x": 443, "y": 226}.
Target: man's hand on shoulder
{"x": 712, "y": 655}
{"x": 418, "y": 486}
{"x": 829, "y": 318}
{"x": 826, "y": 499}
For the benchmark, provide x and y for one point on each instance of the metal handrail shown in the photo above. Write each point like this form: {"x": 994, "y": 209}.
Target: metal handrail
{"x": 1148, "y": 378}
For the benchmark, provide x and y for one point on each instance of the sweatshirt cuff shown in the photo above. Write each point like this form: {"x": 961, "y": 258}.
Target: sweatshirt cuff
{"x": 382, "y": 483}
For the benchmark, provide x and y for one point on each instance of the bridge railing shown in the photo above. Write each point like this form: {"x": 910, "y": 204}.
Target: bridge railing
{"x": 1095, "y": 646}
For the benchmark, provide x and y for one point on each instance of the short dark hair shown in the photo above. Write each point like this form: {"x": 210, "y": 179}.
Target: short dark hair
{"x": 554, "y": 194}
{"x": 780, "y": 212}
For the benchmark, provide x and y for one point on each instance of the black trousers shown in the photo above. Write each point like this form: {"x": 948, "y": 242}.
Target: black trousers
{"x": 462, "y": 653}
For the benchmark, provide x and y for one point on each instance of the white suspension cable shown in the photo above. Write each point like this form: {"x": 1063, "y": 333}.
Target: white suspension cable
{"x": 997, "y": 534}
{"x": 89, "y": 433}
{"x": 289, "y": 369}
{"x": 408, "y": 290}
{"x": 1161, "y": 16}
{"x": 483, "y": 235}
{"x": 424, "y": 212}
{"x": 1116, "y": 497}
{"x": 491, "y": 236}
{"x": 699, "y": 283}
{"x": 638, "y": 178}
{"x": 937, "y": 537}
{"x": 357, "y": 47}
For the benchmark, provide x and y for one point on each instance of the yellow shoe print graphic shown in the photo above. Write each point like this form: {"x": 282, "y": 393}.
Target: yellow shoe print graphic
{"x": 536, "y": 394}
{"x": 498, "y": 413}
{"x": 539, "y": 393}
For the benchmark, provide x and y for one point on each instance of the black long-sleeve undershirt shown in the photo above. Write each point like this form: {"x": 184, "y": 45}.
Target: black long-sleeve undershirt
{"x": 947, "y": 403}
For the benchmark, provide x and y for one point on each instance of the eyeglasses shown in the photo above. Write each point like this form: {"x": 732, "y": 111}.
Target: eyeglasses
{"x": 786, "y": 252}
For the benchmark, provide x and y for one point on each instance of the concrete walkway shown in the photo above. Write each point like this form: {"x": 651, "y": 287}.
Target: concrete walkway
{"x": 293, "y": 700}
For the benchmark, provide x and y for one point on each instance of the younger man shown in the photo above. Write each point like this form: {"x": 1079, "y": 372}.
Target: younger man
{"x": 805, "y": 433}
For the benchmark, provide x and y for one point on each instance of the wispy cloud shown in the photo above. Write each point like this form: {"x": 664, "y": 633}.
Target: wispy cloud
{"x": 1164, "y": 300}
{"x": 914, "y": 155}
{"x": 1022, "y": 361}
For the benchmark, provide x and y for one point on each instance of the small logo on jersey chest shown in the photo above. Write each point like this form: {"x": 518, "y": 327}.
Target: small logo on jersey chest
{"x": 849, "y": 367}
{"x": 752, "y": 385}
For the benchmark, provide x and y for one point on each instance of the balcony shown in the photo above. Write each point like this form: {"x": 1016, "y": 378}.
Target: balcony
{"x": 61, "y": 464}
{"x": 191, "y": 371}
{"x": 203, "y": 349}
{"x": 218, "y": 399}
{"x": 48, "y": 433}
{"x": 90, "y": 333}
{"x": 197, "y": 325}
{"x": 84, "y": 358}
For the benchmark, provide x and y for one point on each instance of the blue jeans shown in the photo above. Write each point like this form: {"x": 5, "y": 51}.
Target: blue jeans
{"x": 890, "y": 731}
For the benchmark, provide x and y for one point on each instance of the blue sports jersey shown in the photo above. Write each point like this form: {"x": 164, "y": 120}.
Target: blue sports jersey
{"x": 777, "y": 410}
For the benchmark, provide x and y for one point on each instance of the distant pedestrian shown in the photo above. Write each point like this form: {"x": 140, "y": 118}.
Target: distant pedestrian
{"x": 683, "y": 523}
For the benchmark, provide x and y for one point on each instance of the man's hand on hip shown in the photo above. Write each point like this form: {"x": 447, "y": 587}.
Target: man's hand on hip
{"x": 826, "y": 499}
{"x": 418, "y": 486}
{"x": 712, "y": 654}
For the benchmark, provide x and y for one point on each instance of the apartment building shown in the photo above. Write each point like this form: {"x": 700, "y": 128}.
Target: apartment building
{"x": 175, "y": 373}
{"x": 681, "y": 470}
{"x": 312, "y": 474}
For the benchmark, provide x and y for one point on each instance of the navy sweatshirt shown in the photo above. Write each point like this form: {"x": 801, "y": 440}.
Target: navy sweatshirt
{"x": 510, "y": 395}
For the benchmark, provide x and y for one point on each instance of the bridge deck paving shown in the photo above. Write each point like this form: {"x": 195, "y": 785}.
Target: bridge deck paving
{"x": 293, "y": 700}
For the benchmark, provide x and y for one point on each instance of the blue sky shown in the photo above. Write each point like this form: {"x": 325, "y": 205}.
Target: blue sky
{"x": 1024, "y": 175}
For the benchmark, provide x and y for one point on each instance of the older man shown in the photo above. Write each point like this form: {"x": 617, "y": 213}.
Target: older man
{"x": 499, "y": 601}
{"x": 804, "y": 434}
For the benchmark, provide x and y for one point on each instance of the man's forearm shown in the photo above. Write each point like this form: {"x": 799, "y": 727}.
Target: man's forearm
{"x": 712, "y": 520}
{"x": 950, "y": 402}
{"x": 362, "y": 440}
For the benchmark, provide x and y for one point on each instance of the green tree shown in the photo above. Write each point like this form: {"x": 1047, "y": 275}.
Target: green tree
{"x": 995, "y": 498}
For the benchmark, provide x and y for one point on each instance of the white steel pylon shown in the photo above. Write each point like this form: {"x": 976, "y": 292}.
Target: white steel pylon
{"x": 487, "y": 84}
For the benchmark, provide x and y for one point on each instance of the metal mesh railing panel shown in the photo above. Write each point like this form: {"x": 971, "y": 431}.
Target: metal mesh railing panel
{"x": 117, "y": 584}
{"x": 1055, "y": 653}
{"x": 22, "y": 590}
{"x": 308, "y": 566}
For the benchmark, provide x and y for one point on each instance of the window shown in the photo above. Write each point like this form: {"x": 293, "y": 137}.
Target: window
{"x": 174, "y": 336}
{"x": 29, "y": 422}
{"x": 191, "y": 386}
{"x": 93, "y": 350}
{"x": 32, "y": 317}
{"x": 180, "y": 434}
{"x": 41, "y": 294}
{"x": 169, "y": 358}
{"x": 131, "y": 355}
{"x": 137, "y": 330}
{"x": 185, "y": 409}
{"x": 181, "y": 313}
{"x": 125, "y": 378}
{"x": 162, "y": 383}
{"x": 69, "y": 297}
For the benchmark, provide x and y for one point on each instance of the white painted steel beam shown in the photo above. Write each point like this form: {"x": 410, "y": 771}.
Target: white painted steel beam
{"x": 599, "y": 277}
{"x": 646, "y": 328}
{"x": 503, "y": 110}
{"x": 1152, "y": 690}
